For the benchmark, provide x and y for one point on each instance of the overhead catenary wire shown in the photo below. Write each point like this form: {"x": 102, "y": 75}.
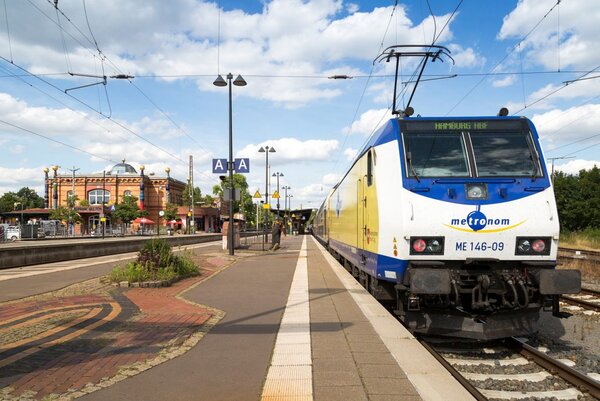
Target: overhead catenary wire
{"x": 565, "y": 84}
{"x": 103, "y": 57}
{"x": 57, "y": 100}
{"x": 56, "y": 141}
{"x": 8, "y": 31}
{"x": 98, "y": 112}
{"x": 366, "y": 85}
{"x": 504, "y": 58}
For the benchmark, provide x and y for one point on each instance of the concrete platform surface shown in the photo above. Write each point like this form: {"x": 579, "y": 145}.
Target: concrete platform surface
{"x": 289, "y": 324}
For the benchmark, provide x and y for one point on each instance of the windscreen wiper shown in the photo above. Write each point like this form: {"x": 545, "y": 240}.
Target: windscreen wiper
{"x": 534, "y": 160}
{"x": 411, "y": 167}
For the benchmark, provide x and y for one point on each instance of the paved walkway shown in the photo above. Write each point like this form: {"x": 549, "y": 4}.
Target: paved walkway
{"x": 283, "y": 325}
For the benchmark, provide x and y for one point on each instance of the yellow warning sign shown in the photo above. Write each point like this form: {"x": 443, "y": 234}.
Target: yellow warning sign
{"x": 266, "y": 206}
{"x": 257, "y": 194}
{"x": 275, "y": 195}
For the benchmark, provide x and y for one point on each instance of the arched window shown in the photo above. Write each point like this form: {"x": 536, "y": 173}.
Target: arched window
{"x": 95, "y": 197}
{"x": 127, "y": 193}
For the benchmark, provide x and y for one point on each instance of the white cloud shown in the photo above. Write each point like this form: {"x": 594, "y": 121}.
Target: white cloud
{"x": 13, "y": 179}
{"x": 467, "y": 58}
{"x": 330, "y": 179}
{"x": 504, "y": 82}
{"x": 350, "y": 153}
{"x": 368, "y": 122}
{"x": 579, "y": 30}
{"x": 574, "y": 166}
{"x": 558, "y": 126}
{"x": 288, "y": 37}
{"x": 352, "y": 8}
{"x": 97, "y": 136}
{"x": 292, "y": 150}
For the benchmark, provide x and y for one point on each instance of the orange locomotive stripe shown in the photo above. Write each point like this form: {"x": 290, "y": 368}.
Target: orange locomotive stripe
{"x": 116, "y": 309}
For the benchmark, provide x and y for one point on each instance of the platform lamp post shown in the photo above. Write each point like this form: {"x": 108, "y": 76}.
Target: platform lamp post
{"x": 266, "y": 150}
{"x": 277, "y": 174}
{"x": 239, "y": 81}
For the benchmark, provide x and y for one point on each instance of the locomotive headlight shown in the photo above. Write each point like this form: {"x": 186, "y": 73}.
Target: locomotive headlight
{"x": 533, "y": 246}
{"x": 476, "y": 191}
{"x": 434, "y": 246}
{"x": 524, "y": 246}
{"x": 426, "y": 245}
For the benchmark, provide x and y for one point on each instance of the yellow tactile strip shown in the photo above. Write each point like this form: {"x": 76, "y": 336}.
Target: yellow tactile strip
{"x": 290, "y": 374}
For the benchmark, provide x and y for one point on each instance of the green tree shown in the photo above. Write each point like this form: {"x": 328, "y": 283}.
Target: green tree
{"x": 128, "y": 210}
{"x": 578, "y": 199}
{"x": 65, "y": 214}
{"x": 170, "y": 211}
{"x": 30, "y": 198}
{"x": 7, "y": 202}
{"x": 186, "y": 198}
{"x": 27, "y": 197}
{"x": 244, "y": 204}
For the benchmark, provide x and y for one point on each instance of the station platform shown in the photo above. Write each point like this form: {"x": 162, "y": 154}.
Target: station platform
{"x": 289, "y": 324}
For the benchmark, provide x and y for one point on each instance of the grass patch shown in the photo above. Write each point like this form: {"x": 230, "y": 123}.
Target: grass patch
{"x": 156, "y": 261}
{"x": 588, "y": 239}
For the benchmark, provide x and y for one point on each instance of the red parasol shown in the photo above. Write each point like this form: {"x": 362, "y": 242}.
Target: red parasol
{"x": 143, "y": 220}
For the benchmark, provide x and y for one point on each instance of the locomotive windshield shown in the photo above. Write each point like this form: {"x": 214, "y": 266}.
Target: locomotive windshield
{"x": 436, "y": 155}
{"x": 504, "y": 154}
{"x": 469, "y": 149}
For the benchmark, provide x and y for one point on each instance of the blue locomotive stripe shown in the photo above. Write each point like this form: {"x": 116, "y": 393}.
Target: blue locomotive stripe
{"x": 453, "y": 190}
{"x": 376, "y": 265}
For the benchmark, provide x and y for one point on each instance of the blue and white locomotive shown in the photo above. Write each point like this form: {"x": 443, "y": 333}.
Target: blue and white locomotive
{"x": 454, "y": 221}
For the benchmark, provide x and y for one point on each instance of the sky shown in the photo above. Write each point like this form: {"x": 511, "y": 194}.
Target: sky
{"x": 56, "y": 110}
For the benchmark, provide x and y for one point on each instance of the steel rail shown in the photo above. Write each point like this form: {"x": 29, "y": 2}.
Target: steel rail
{"x": 574, "y": 377}
{"x": 455, "y": 373}
{"x": 582, "y": 252}
{"x": 584, "y": 303}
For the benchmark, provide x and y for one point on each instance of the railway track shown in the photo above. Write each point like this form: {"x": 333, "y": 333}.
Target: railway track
{"x": 587, "y": 299}
{"x": 511, "y": 370}
{"x": 573, "y": 253}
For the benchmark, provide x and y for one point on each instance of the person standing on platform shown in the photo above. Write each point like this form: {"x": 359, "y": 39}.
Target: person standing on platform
{"x": 276, "y": 235}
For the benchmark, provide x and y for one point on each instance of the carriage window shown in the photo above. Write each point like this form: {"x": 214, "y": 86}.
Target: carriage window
{"x": 505, "y": 154}
{"x": 435, "y": 155}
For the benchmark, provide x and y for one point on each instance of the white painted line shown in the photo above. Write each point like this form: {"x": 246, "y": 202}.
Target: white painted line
{"x": 35, "y": 270}
{"x": 431, "y": 380}
{"x": 290, "y": 373}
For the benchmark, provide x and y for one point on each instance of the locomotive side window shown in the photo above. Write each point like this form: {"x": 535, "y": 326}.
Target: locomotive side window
{"x": 370, "y": 168}
{"x": 436, "y": 155}
{"x": 505, "y": 154}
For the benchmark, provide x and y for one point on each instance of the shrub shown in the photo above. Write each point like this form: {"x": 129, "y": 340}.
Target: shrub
{"x": 156, "y": 262}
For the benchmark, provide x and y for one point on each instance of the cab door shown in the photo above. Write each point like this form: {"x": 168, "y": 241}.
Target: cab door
{"x": 364, "y": 186}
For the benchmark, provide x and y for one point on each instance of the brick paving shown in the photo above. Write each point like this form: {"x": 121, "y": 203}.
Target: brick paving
{"x": 91, "y": 335}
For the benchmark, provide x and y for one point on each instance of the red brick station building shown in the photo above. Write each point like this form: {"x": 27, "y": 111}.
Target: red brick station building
{"x": 102, "y": 191}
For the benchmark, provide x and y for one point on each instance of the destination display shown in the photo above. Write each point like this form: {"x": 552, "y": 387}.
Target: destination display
{"x": 471, "y": 125}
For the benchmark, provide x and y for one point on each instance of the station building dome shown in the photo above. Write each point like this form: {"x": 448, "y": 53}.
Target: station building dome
{"x": 123, "y": 168}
